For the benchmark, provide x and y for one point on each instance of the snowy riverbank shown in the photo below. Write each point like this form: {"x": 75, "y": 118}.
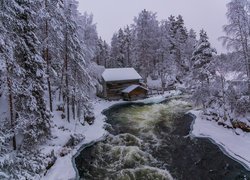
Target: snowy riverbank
{"x": 234, "y": 143}
{"x": 63, "y": 169}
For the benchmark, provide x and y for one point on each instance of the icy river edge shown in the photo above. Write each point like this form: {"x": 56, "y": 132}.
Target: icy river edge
{"x": 236, "y": 148}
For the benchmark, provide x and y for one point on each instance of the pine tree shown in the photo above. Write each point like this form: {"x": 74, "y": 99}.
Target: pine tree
{"x": 145, "y": 45}
{"x": 102, "y": 54}
{"x": 8, "y": 62}
{"x": 203, "y": 52}
{"x": 88, "y": 36}
{"x": 31, "y": 114}
{"x": 24, "y": 74}
{"x": 118, "y": 49}
{"x": 190, "y": 47}
{"x": 202, "y": 69}
{"x": 128, "y": 38}
{"x": 178, "y": 37}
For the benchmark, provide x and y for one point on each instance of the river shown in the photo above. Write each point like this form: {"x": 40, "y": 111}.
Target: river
{"x": 153, "y": 142}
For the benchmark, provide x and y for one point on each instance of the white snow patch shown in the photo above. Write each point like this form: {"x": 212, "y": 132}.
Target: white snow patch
{"x": 234, "y": 143}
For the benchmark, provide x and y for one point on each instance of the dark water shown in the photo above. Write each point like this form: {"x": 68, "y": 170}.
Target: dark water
{"x": 153, "y": 142}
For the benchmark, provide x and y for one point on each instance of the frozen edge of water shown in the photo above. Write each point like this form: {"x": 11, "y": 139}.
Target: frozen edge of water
{"x": 195, "y": 131}
{"x": 86, "y": 145}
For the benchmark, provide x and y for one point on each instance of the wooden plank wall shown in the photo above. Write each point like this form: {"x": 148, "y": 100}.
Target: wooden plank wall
{"x": 114, "y": 89}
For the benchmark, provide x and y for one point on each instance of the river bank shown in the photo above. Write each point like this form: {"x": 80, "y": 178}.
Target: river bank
{"x": 233, "y": 142}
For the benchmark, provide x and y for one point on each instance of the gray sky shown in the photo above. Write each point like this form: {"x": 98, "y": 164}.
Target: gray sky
{"x": 110, "y": 15}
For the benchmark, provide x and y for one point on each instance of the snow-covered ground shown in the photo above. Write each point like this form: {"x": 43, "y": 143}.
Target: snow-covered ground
{"x": 63, "y": 169}
{"x": 234, "y": 143}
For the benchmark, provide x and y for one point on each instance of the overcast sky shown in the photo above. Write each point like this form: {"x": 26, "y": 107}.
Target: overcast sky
{"x": 110, "y": 15}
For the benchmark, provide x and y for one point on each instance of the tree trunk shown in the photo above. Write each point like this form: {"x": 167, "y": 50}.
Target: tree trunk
{"x": 61, "y": 85}
{"x": 73, "y": 96}
{"x": 78, "y": 111}
{"x": 248, "y": 78}
{"x": 73, "y": 107}
{"x": 66, "y": 76}
{"x": 223, "y": 97}
{"x": 12, "y": 121}
{"x": 47, "y": 59}
{"x": 128, "y": 54}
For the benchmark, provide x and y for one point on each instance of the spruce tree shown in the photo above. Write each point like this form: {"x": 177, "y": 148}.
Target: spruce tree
{"x": 202, "y": 68}
{"x": 32, "y": 118}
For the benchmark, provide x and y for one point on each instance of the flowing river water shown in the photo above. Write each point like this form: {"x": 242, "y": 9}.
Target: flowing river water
{"x": 153, "y": 142}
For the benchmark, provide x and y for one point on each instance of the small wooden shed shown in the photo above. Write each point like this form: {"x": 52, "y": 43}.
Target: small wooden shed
{"x": 134, "y": 92}
{"x": 115, "y": 80}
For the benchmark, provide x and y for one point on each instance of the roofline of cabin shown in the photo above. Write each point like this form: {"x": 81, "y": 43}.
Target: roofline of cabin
{"x": 122, "y": 80}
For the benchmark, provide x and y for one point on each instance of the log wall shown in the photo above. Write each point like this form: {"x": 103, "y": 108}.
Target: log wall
{"x": 112, "y": 90}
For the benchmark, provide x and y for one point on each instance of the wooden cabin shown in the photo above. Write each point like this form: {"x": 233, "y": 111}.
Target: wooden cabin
{"x": 116, "y": 80}
{"x": 134, "y": 92}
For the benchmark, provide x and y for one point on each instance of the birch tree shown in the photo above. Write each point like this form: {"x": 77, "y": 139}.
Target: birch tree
{"x": 238, "y": 31}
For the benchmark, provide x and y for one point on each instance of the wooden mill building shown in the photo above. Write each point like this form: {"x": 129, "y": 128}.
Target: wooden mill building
{"x": 123, "y": 83}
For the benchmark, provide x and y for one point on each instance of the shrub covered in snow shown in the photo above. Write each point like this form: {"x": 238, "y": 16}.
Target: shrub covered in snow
{"x": 242, "y": 105}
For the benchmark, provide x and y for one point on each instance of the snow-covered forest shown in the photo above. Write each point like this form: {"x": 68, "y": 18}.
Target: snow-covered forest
{"x": 46, "y": 49}
{"x": 51, "y": 60}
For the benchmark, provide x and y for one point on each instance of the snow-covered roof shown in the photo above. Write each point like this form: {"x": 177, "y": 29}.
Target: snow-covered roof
{"x": 120, "y": 74}
{"x": 132, "y": 87}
